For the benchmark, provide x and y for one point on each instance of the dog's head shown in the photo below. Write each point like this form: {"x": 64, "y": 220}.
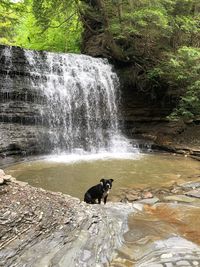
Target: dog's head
{"x": 106, "y": 183}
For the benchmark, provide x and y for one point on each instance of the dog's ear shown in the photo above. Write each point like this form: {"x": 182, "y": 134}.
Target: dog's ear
{"x": 111, "y": 180}
{"x": 102, "y": 181}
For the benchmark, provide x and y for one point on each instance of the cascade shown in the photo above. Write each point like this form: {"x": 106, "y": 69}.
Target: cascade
{"x": 74, "y": 96}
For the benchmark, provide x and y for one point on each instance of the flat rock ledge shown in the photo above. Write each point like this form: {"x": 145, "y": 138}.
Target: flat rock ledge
{"x": 40, "y": 228}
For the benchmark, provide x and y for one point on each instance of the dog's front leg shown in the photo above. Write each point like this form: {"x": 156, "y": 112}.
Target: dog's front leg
{"x": 99, "y": 200}
{"x": 105, "y": 199}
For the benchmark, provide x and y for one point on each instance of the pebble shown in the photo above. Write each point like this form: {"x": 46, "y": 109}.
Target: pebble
{"x": 147, "y": 195}
{"x": 194, "y": 193}
{"x": 183, "y": 263}
{"x": 155, "y": 265}
{"x": 179, "y": 198}
{"x": 2, "y": 173}
{"x": 191, "y": 185}
{"x": 1, "y": 180}
{"x": 7, "y": 178}
{"x": 169, "y": 264}
{"x": 166, "y": 256}
{"x": 149, "y": 201}
{"x": 138, "y": 206}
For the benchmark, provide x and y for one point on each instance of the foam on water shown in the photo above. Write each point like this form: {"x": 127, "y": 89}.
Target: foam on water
{"x": 78, "y": 157}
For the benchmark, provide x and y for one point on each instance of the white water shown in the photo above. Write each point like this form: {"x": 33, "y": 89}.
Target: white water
{"x": 79, "y": 103}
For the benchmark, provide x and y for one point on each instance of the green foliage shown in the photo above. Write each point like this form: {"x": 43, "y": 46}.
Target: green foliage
{"x": 163, "y": 36}
{"x": 44, "y": 25}
{"x": 143, "y": 18}
{"x": 182, "y": 70}
{"x": 9, "y": 17}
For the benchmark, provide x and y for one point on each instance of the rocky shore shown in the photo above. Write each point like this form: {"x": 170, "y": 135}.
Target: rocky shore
{"x": 173, "y": 137}
{"x": 40, "y": 228}
{"x": 157, "y": 228}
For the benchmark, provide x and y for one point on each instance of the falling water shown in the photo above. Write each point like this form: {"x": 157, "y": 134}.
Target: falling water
{"x": 81, "y": 101}
{"x": 74, "y": 97}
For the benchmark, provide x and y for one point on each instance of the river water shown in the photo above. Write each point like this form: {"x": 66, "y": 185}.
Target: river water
{"x": 74, "y": 174}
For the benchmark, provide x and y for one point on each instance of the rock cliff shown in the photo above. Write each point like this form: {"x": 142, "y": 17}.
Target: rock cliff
{"x": 20, "y": 128}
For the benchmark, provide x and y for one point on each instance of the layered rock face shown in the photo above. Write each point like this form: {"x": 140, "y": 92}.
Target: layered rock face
{"x": 20, "y": 130}
{"x": 56, "y": 102}
{"x": 144, "y": 109}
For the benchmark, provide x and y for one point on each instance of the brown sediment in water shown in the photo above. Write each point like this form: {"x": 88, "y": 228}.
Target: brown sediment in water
{"x": 184, "y": 219}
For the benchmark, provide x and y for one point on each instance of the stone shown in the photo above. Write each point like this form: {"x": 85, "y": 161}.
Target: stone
{"x": 147, "y": 195}
{"x": 193, "y": 193}
{"x": 20, "y": 182}
{"x": 166, "y": 256}
{"x": 155, "y": 265}
{"x": 149, "y": 201}
{"x": 191, "y": 185}
{"x": 2, "y": 173}
{"x": 138, "y": 206}
{"x": 1, "y": 180}
{"x": 167, "y": 252}
{"x": 41, "y": 236}
{"x": 169, "y": 264}
{"x": 7, "y": 178}
{"x": 183, "y": 263}
{"x": 179, "y": 198}
{"x": 132, "y": 197}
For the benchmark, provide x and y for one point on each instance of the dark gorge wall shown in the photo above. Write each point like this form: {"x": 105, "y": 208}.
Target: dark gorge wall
{"x": 144, "y": 107}
{"x": 20, "y": 127}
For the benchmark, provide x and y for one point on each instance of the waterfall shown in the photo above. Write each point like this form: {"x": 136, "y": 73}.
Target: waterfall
{"x": 74, "y": 97}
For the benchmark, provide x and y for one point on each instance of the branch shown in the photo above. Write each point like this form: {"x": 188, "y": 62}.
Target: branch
{"x": 66, "y": 20}
{"x": 55, "y": 27}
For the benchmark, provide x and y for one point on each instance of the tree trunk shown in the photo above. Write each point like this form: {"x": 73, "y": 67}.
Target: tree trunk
{"x": 98, "y": 39}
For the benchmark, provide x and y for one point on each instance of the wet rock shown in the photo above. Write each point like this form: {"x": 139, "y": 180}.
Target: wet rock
{"x": 7, "y": 178}
{"x": 132, "y": 197}
{"x": 164, "y": 234}
{"x": 149, "y": 201}
{"x": 175, "y": 250}
{"x": 2, "y": 173}
{"x": 1, "y": 180}
{"x": 179, "y": 198}
{"x": 194, "y": 193}
{"x": 191, "y": 185}
{"x": 147, "y": 195}
{"x": 138, "y": 206}
{"x": 20, "y": 182}
{"x": 41, "y": 228}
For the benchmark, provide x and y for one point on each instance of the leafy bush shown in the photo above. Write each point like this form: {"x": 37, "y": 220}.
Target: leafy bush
{"x": 182, "y": 70}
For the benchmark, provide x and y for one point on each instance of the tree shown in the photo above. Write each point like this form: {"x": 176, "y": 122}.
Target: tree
{"x": 9, "y": 16}
{"x": 43, "y": 25}
{"x": 182, "y": 71}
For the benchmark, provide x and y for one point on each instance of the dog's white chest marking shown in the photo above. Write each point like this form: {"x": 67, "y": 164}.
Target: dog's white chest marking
{"x": 105, "y": 193}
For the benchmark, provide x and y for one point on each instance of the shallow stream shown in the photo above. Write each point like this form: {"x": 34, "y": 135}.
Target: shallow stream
{"x": 74, "y": 174}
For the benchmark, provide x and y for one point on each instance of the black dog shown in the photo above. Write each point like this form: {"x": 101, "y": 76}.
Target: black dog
{"x": 98, "y": 191}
